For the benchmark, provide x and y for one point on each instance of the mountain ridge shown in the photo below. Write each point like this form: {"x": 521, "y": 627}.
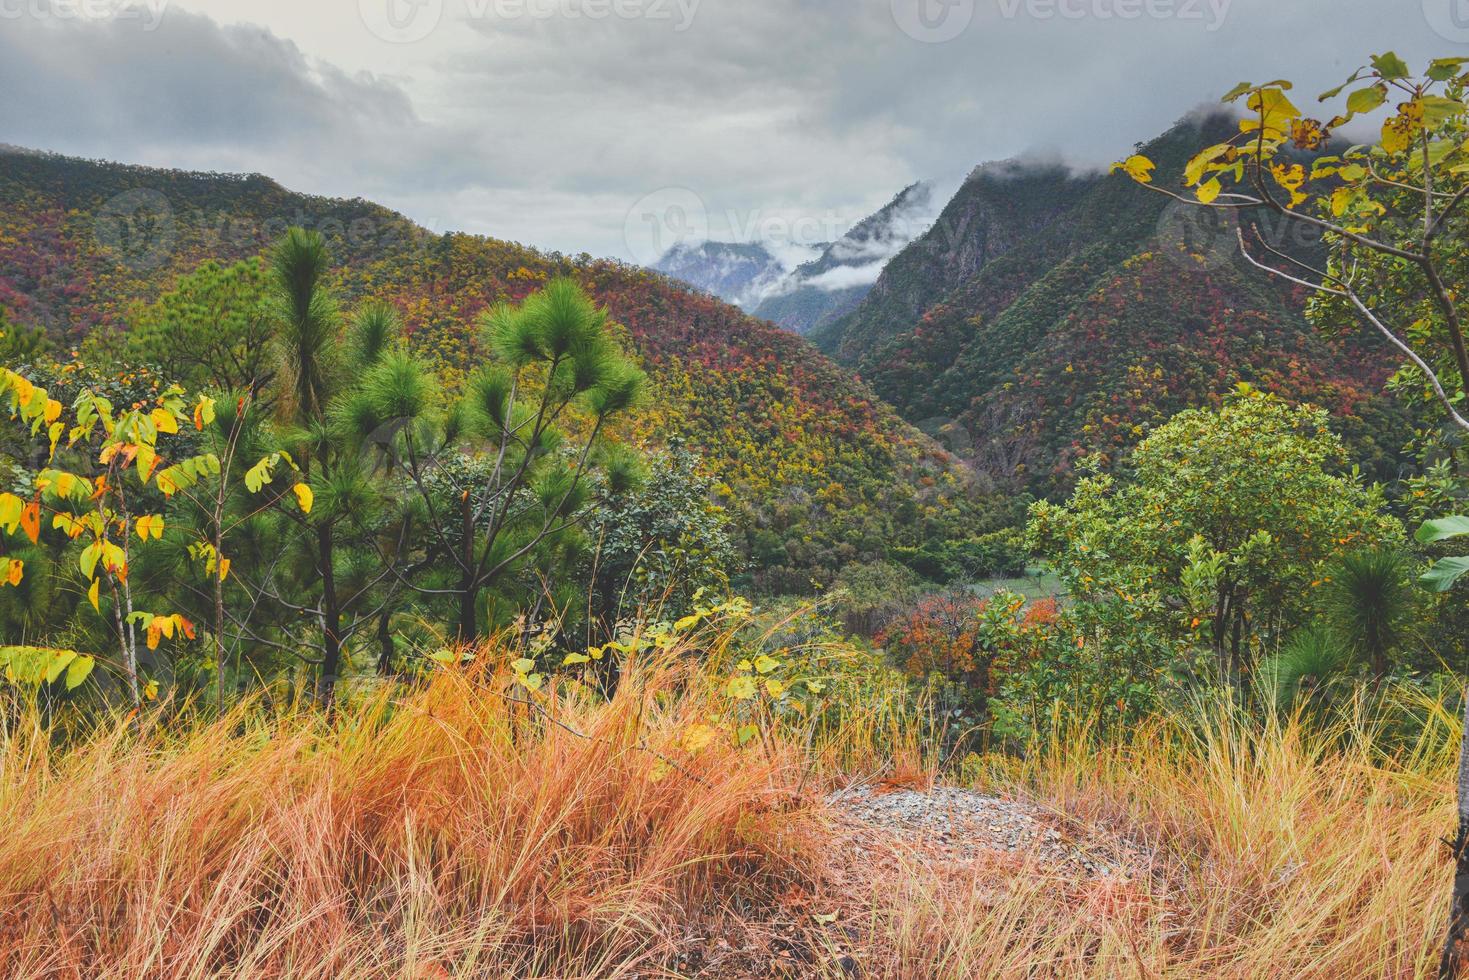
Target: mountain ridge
{"x": 819, "y": 472}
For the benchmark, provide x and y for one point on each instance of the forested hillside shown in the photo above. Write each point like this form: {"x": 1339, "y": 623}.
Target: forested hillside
{"x": 1049, "y": 315}
{"x": 818, "y": 472}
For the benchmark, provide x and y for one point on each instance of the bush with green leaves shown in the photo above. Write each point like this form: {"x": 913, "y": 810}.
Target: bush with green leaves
{"x": 1221, "y": 531}
{"x": 653, "y": 550}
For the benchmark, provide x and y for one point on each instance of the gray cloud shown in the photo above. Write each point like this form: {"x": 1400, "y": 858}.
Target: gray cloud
{"x": 548, "y": 129}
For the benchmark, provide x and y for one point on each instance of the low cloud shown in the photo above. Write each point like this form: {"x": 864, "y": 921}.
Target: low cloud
{"x": 548, "y": 129}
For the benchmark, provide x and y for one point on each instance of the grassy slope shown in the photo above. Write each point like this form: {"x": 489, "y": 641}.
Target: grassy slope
{"x": 444, "y": 831}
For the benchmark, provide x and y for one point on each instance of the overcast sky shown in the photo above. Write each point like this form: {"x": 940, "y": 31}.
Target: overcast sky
{"x": 597, "y": 125}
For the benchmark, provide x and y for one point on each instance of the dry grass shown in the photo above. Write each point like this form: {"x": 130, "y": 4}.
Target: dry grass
{"x": 435, "y": 833}
{"x": 1274, "y": 851}
{"x": 447, "y": 832}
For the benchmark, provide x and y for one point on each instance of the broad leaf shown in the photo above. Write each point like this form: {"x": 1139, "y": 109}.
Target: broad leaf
{"x": 1445, "y": 572}
{"x": 1442, "y": 529}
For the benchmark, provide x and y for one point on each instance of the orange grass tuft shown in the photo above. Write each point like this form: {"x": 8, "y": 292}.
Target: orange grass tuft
{"x": 445, "y": 831}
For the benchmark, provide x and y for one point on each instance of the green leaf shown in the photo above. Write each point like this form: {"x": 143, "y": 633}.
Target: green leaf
{"x": 60, "y": 660}
{"x": 1443, "y": 69}
{"x": 741, "y": 688}
{"x": 1445, "y": 572}
{"x": 1389, "y": 66}
{"x": 1236, "y": 92}
{"x": 1442, "y": 529}
{"x": 78, "y": 671}
{"x": 1366, "y": 99}
{"x": 88, "y": 559}
{"x": 1436, "y": 109}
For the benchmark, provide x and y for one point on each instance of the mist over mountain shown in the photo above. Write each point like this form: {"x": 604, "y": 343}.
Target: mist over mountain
{"x": 1050, "y": 315}
{"x": 756, "y": 276}
{"x": 741, "y": 273}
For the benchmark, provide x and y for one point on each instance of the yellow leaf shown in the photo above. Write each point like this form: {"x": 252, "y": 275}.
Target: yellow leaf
{"x": 203, "y": 412}
{"x": 164, "y": 420}
{"x": 1397, "y": 133}
{"x": 741, "y": 688}
{"x": 92, "y": 594}
{"x": 53, "y": 410}
{"x": 304, "y": 497}
{"x": 697, "y": 737}
{"x": 224, "y": 568}
{"x": 14, "y": 572}
{"x": 1208, "y": 190}
{"x": 150, "y": 690}
{"x": 1138, "y": 167}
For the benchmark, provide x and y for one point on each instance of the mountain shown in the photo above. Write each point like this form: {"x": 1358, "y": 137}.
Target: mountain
{"x": 818, "y": 472}
{"x": 737, "y": 272}
{"x": 750, "y": 276}
{"x": 1050, "y": 315}
{"x": 837, "y": 280}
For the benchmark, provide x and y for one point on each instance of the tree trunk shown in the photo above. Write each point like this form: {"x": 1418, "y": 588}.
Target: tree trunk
{"x": 468, "y": 584}
{"x": 1459, "y": 906}
{"x": 468, "y": 615}
{"x": 385, "y": 643}
{"x": 331, "y": 621}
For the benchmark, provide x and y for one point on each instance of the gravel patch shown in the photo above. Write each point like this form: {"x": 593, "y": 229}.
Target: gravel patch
{"x": 961, "y": 823}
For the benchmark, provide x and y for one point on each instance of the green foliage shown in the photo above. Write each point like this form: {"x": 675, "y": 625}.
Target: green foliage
{"x": 654, "y": 549}
{"x": 1369, "y": 604}
{"x": 1311, "y": 663}
{"x": 1223, "y": 530}
{"x": 20, "y": 345}
{"x": 867, "y": 596}
{"x": 1445, "y": 571}
{"x": 210, "y": 331}
{"x": 998, "y": 554}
